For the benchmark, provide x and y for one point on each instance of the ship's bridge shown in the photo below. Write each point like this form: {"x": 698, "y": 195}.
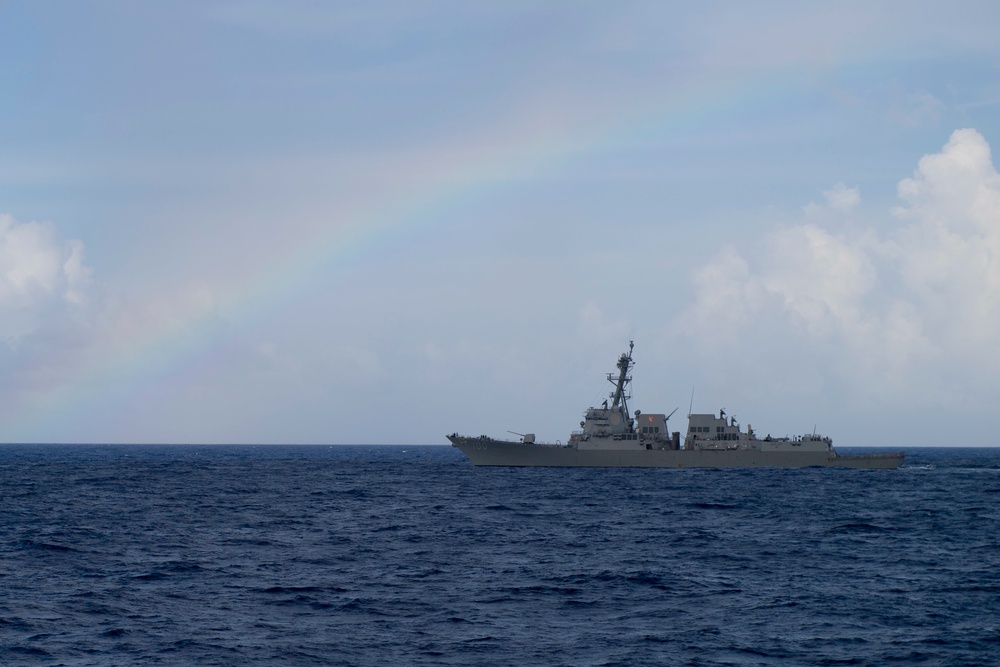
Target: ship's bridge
{"x": 606, "y": 421}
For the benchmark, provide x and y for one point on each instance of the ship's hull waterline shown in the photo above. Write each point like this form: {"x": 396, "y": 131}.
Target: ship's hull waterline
{"x": 490, "y": 452}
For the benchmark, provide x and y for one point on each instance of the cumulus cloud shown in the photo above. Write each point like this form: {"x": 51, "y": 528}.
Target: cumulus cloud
{"x": 842, "y": 198}
{"x": 948, "y": 247}
{"x": 915, "y": 311}
{"x": 839, "y": 198}
{"x": 39, "y": 272}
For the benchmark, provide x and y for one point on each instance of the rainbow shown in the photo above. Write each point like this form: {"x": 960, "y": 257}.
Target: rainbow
{"x": 103, "y": 385}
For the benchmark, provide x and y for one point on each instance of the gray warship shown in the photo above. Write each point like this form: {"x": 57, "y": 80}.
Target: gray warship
{"x": 611, "y": 437}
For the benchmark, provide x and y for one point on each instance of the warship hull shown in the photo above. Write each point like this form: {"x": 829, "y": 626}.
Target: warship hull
{"x": 491, "y": 452}
{"x": 612, "y": 438}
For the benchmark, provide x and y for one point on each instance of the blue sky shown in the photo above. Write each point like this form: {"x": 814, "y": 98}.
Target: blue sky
{"x": 381, "y": 222}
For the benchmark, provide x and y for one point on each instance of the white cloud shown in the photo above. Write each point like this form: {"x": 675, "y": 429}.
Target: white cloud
{"x": 812, "y": 278}
{"x": 819, "y": 277}
{"x": 948, "y": 250}
{"x": 57, "y": 329}
{"x": 905, "y": 318}
{"x": 839, "y": 199}
{"x": 842, "y": 198}
{"x": 78, "y": 276}
{"x": 727, "y": 298}
{"x": 38, "y": 272}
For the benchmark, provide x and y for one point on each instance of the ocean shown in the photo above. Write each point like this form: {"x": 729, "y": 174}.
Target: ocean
{"x": 404, "y": 555}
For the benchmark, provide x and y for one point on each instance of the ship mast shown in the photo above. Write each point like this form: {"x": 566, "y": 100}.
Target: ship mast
{"x": 624, "y": 365}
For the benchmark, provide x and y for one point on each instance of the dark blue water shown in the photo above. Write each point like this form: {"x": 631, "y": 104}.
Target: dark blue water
{"x": 114, "y": 555}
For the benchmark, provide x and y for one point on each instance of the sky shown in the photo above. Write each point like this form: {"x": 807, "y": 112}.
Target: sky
{"x": 381, "y": 222}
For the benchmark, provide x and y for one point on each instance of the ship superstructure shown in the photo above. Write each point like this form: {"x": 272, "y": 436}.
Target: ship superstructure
{"x": 611, "y": 426}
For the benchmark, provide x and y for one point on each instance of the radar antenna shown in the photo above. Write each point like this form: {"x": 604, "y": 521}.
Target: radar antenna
{"x": 619, "y": 399}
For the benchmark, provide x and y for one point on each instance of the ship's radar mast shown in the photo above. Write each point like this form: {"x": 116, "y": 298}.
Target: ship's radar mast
{"x": 620, "y": 396}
